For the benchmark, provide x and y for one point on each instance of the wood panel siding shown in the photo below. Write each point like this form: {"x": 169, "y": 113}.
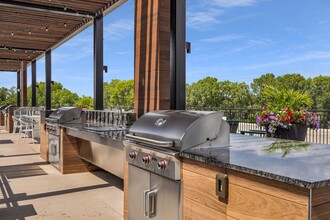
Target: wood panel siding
{"x": 199, "y": 197}
{"x": 70, "y": 161}
{"x": 249, "y": 196}
{"x": 321, "y": 203}
{"x": 152, "y": 55}
{"x": 196, "y": 211}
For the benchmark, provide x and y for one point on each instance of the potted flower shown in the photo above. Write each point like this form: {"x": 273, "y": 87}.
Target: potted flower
{"x": 282, "y": 117}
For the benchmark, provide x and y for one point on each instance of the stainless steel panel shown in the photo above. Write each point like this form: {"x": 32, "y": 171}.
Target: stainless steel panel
{"x": 173, "y": 164}
{"x": 166, "y": 204}
{"x": 108, "y": 158}
{"x": 139, "y": 182}
{"x": 54, "y": 150}
{"x": 101, "y": 151}
{"x": 151, "y": 196}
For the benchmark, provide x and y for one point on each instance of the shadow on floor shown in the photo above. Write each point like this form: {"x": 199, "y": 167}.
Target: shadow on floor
{"x": 7, "y": 141}
{"x": 12, "y": 209}
{"x": 22, "y": 170}
{"x": 17, "y": 212}
{"x": 19, "y": 155}
{"x": 111, "y": 179}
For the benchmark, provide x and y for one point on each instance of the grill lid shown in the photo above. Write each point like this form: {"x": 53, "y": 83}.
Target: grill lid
{"x": 65, "y": 114}
{"x": 177, "y": 128}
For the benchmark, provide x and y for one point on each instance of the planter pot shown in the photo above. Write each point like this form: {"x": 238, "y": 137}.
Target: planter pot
{"x": 233, "y": 125}
{"x": 296, "y": 132}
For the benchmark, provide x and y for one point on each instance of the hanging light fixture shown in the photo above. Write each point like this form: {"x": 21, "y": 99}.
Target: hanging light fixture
{"x": 12, "y": 33}
{"x": 46, "y": 28}
{"x": 64, "y": 24}
{"x": 29, "y": 32}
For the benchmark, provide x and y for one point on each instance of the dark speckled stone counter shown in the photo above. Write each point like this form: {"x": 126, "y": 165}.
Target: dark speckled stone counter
{"x": 104, "y": 130}
{"x": 298, "y": 163}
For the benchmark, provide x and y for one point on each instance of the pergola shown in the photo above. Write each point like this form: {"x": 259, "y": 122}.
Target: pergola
{"x": 30, "y": 29}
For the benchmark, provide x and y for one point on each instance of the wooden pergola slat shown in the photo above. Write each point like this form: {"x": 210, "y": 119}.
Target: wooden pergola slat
{"x": 41, "y": 25}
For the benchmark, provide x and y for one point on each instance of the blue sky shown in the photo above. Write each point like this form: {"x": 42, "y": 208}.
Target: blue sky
{"x": 231, "y": 40}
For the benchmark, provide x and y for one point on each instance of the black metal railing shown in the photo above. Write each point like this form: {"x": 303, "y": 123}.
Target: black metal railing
{"x": 247, "y": 121}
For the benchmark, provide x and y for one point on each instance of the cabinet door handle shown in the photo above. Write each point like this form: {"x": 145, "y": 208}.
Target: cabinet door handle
{"x": 145, "y": 203}
{"x": 152, "y": 203}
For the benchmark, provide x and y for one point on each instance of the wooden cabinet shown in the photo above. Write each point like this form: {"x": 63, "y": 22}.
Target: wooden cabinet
{"x": 199, "y": 199}
{"x": 249, "y": 196}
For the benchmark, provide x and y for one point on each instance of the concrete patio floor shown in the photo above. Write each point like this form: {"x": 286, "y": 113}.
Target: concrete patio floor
{"x": 30, "y": 188}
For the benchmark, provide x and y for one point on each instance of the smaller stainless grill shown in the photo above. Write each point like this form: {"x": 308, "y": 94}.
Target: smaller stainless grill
{"x": 66, "y": 114}
{"x": 60, "y": 116}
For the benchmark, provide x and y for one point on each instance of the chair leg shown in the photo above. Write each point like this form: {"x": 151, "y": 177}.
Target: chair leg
{"x": 14, "y": 132}
{"x": 32, "y": 134}
{"x": 19, "y": 133}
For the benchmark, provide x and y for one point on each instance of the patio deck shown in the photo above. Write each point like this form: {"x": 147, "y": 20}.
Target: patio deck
{"x": 30, "y": 188}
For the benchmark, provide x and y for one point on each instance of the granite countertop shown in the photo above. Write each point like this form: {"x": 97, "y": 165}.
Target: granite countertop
{"x": 293, "y": 162}
{"x": 99, "y": 129}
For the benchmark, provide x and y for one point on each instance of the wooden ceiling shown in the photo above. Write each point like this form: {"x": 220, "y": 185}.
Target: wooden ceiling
{"x": 28, "y": 28}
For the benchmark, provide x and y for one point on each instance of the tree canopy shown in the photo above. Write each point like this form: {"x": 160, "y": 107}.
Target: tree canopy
{"x": 205, "y": 93}
{"x": 119, "y": 93}
{"x": 60, "y": 96}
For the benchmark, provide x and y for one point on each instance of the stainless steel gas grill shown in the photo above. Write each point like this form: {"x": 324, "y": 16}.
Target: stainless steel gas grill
{"x": 60, "y": 116}
{"x": 66, "y": 114}
{"x": 152, "y": 147}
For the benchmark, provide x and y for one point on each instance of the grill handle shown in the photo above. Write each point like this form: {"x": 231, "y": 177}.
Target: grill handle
{"x": 150, "y": 141}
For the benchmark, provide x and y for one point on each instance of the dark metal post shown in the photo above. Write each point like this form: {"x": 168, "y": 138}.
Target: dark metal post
{"x": 18, "y": 89}
{"x": 178, "y": 55}
{"x": 98, "y": 62}
{"x": 48, "y": 70}
{"x": 34, "y": 81}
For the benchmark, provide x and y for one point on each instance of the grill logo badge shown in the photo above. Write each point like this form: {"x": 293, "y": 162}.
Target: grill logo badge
{"x": 160, "y": 122}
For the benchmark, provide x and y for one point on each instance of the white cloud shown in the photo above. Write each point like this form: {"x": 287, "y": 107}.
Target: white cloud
{"x": 222, "y": 38}
{"x": 118, "y": 29}
{"x": 202, "y": 18}
{"x": 201, "y": 15}
{"x": 313, "y": 55}
{"x": 73, "y": 55}
{"x": 250, "y": 44}
{"x": 232, "y": 3}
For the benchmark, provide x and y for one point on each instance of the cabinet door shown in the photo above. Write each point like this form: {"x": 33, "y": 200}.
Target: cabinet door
{"x": 163, "y": 199}
{"x": 139, "y": 185}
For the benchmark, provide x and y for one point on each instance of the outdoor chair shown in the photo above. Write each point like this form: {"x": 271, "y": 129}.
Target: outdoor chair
{"x": 16, "y": 126}
{"x": 26, "y": 128}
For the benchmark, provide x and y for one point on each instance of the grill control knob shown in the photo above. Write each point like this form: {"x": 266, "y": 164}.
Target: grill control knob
{"x": 146, "y": 159}
{"x": 162, "y": 164}
{"x": 133, "y": 155}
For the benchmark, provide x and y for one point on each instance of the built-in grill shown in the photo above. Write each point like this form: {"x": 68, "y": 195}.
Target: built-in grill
{"x": 60, "y": 116}
{"x": 152, "y": 147}
{"x": 65, "y": 115}
{"x": 179, "y": 130}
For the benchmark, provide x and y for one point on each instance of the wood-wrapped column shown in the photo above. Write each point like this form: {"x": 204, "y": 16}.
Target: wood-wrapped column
{"x": 23, "y": 82}
{"x": 33, "y": 83}
{"x": 152, "y": 55}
